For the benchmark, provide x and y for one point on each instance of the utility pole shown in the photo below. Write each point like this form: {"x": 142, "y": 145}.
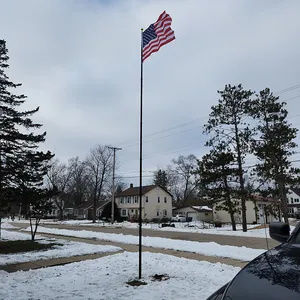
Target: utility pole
{"x": 113, "y": 184}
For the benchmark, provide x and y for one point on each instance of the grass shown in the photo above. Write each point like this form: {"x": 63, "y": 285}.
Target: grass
{"x": 11, "y": 247}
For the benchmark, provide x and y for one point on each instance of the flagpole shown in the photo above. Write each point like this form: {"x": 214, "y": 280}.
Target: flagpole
{"x": 141, "y": 161}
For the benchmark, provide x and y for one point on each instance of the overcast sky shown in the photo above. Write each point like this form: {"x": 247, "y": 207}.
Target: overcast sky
{"x": 79, "y": 60}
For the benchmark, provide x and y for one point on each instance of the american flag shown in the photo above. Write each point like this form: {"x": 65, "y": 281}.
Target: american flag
{"x": 157, "y": 35}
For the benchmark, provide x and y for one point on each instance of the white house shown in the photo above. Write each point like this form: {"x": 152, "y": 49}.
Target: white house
{"x": 258, "y": 210}
{"x": 293, "y": 197}
{"x": 197, "y": 213}
{"x": 156, "y": 202}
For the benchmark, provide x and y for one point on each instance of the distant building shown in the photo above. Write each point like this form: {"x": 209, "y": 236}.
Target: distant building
{"x": 84, "y": 211}
{"x": 156, "y": 202}
{"x": 293, "y": 197}
{"x": 196, "y": 213}
{"x": 258, "y": 210}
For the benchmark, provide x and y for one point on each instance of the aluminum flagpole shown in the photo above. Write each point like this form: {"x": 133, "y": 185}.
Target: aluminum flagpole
{"x": 141, "y": 162}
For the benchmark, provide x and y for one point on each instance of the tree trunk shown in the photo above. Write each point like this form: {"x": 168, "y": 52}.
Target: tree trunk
{"x": 283, "y": 200}
{"x": 229, "y": 204}
{"x": 94, "y": 210}
{"x": 241, "y": 178}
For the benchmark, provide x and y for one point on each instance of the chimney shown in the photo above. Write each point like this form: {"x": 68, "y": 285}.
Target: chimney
{"x": 131, "y": 185}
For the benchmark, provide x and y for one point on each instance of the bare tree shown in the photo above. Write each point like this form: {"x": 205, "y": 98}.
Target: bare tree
{"x": 78, "y": 184}
{"x": 182, "y": 179}
{"x": 58, "y": 177}
{"x": 99, "y": 167}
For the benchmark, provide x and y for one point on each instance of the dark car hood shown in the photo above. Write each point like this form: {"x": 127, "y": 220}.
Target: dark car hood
{"x": 274, "y": 275}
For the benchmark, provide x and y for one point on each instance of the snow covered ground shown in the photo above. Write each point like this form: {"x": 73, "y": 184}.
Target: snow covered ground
{"x": 209, "y": 249}
{"x": 192, "y": 227}
{"x": 15, "y": 235}
{"x": 6, "y": 225}
{"x": 105, "y": 279}
{"x": 65, "y": 249}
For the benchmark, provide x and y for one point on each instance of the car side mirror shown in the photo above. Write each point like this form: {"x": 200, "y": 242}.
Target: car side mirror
{"x": 279, "y": 231}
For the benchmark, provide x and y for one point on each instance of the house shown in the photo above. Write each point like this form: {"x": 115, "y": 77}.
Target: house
{"x": 293, "y": 197}
{"x": 68, "y": 210}
{"x": 156, "y": 202}
{"x": 197, "y": 213}
{"x": 84, "y": 211}
{"x": 258, "y": 210}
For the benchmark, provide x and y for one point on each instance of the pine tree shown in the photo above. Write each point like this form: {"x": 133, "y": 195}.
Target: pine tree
{"x": 22, "y": 166}
{"x": 216, "y": 175}
{"x": 274, "y": 145}
{"x": 227, "y": 124}
{"x": 161, "y": 179}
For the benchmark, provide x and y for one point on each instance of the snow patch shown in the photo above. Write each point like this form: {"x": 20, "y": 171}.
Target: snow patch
{"x": 105, "y": 279}
{"x": 209, "y": 249}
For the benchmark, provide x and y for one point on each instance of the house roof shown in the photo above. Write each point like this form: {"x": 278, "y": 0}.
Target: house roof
{"x": 102, "y": 204}
{"x": 202, "y": 208}
{"x": 135, "y": 191}
{"x": 88, "y": 204}
{"x": 198, "y": 208}
{"x": 296, "y": 191}
{"x": 85, "y": 205}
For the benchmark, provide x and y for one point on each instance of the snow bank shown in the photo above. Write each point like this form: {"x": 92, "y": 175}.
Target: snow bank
{"x": 66, "y": 250}
{"x": 106, "y": 278}
{"x": 15, "y": 235}
{"x": 6, "y": 225}
{"x": 209, "y": 249}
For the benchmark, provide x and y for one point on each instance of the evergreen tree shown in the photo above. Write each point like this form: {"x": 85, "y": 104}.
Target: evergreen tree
{"x": 227, "y": 124}
{"x": 216, "y": 175}
{"x": 106, "y": 213}
{"x": 274, "y": 145}
{"x": 161, "y": 179}
{"x": 22, "y": 166}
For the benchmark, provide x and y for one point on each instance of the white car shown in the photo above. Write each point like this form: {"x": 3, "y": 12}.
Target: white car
{"x": 178, "y": 218}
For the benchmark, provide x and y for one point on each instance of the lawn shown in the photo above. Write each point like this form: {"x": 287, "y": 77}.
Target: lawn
{"x": 11, "y": 247}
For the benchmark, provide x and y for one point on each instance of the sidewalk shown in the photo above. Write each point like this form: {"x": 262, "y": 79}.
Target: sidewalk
{"x": 126, "y": 247}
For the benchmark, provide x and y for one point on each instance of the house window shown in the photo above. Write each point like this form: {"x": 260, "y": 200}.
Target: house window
{"x": 158, "y": 199}
{"x": 128, "y": 200}
{"x": 146, "y": 199}
{"x": 165, "y": 213}
{"x": 135, "y": 199}
{"x": 296, "y": 200}
{"x": 157, "y": 213}
{"x": 122, "y": 200}
{"x": 165, "y": 199}
{"x": 292, "y": 200}
{"x": 123, "y": 212}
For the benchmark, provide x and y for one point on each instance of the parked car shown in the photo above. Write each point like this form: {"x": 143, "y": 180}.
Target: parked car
{"x": 274, "y": 275}
{"x": 178, "y": 218}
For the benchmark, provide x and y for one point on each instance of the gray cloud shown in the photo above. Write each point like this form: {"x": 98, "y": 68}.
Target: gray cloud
{"x": 79, "y": 61}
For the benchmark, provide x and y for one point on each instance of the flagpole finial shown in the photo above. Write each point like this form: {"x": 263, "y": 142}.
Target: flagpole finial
{"x": 142, "y": 29}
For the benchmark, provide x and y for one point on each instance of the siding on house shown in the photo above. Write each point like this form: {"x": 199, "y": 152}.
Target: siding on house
{"x": 259, "y": 217}
{"x": 293, "y": 197}
{"x": 156, "y": 203}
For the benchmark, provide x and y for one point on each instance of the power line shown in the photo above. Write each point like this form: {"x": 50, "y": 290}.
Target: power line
{"x": 130, "y": 142}
{"x": 291, "y": 88}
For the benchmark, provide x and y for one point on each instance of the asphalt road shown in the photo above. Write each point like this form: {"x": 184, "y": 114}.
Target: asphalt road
{"x": 250, "y": 242}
